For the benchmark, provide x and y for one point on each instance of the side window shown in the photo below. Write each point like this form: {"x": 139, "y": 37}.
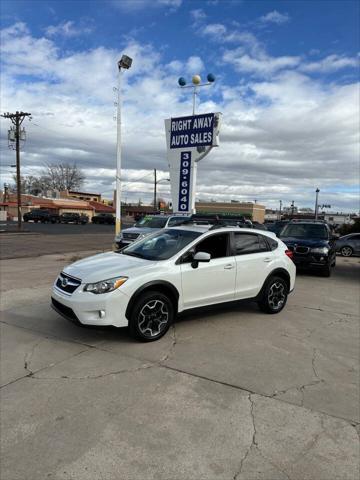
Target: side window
{"x": 216, "y": 245}
{"x": 249, "y": 243}
{"x": 273, "y": 243}
{"x": 263, "y": 246}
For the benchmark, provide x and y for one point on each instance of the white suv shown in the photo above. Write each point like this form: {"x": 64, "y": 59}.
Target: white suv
{"x": 146, "y": 284}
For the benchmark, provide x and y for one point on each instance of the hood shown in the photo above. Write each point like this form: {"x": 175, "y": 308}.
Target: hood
{"x": 140, "y": 230}
{"x": 105, "y": 266}
{"x": 306, "y": 242}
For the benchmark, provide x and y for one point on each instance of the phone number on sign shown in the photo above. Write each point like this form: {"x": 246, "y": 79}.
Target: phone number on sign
{"x": 184, "y": 187}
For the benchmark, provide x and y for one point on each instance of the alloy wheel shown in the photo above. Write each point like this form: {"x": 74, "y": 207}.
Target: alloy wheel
{"x": 276, "y": 295}
{"x": 346, "y": 251}
{"x": 153, "y": 318}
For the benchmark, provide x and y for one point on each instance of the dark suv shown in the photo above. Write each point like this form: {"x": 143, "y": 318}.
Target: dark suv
{"x": 312, "y": 244}
{"x": 69, "y": 217}
{"x": 105, "y": 218}
{"x": 43, "y": 216}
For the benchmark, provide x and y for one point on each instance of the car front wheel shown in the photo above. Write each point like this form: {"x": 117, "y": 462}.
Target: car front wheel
{"x": 274, "y": 295}
{"x": 346, "y": 251}
{"x": 151, "y": 316}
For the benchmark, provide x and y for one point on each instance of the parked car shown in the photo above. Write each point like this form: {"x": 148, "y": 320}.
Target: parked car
{"x": 348, "y": 245}
{"x": 43, "y": 216}
{"x": 312, "y": 243}
{"x": 78, "y": 218}
{"x": 276, "y": 227}
{"x": 147, "y": 225}
{"x": 104, "y": 218}
{"x": 146, "y": 284}
{"x": 259, "y": 226}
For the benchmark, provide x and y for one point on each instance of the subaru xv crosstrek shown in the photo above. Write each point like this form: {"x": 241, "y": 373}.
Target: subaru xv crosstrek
{"x": 146, "y": 284}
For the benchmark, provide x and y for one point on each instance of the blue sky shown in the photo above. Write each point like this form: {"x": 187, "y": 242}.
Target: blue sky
{"x": 287, "y": 76}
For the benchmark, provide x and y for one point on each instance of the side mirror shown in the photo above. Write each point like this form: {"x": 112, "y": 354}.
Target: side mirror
{"x": 200, "y": 257}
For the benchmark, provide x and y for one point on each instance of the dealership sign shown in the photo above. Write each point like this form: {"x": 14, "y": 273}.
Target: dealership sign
{"x": 189, "y": 139}
{"x": 195, "y": 131}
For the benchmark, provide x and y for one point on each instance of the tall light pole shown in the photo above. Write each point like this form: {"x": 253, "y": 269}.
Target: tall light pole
{"x": 124, "y": 63}
{"x": 155, "y": 185}
{"x": 316, "y": 203}
{"x": 280, "y": 206}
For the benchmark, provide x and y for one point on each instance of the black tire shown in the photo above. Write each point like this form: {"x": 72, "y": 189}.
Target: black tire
{"x": 145, "y": 329}
{"x": 274, "y": 295}
{"x": 346, "y": 251}
{"x": 326, "y": 271}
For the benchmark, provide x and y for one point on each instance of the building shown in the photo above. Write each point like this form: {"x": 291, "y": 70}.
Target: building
{"x": 100, "y": 207}
{"x": 255, "y": 211}
{"x": 86, "y": 196}
{"x": 54, "y": 205}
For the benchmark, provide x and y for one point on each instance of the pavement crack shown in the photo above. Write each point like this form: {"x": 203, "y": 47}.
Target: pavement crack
{"x": 102, "y": 375}
{"x": 313, "y": 360}
{"x": 28, "y": 356}
{"x": 172, "y": 346}
{"x": 253, "y": 438}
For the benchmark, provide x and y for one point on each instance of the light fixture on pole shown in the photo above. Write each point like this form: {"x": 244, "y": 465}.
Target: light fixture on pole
{"x": 196, "y": 80}
{"x": 316, "y": 203}
{"x": 124, "y": 63}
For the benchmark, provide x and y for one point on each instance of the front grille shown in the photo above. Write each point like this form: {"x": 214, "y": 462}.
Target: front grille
{"x": 301, "y": 250}
{"x": 67, "y": 284}
{"x": 130, "y": 236}
{"x": 64, "y": 311}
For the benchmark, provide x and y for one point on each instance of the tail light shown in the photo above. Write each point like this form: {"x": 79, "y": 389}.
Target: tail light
{"x": 289, "y": 253}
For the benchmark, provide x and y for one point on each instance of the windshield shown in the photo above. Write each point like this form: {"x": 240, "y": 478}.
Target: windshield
{"x": 161, "y": 245}
{"x": 152, "y": 222}
{"x": 305, "y": 231}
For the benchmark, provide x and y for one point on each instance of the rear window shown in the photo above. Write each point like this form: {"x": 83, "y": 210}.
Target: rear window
{"x": 305, "y": 231}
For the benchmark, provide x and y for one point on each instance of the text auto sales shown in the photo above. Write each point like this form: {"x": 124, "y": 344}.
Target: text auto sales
{"x": 192, "y": 131}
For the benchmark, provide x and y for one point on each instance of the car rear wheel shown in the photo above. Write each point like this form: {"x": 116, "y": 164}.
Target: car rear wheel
{"x": 346, "y": 251}
{"x": 274, "y": 295}
{"x": 151, "y": 316}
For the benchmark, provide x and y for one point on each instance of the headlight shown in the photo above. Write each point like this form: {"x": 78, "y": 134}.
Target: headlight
{"x": 322, "y": 250}
{"x": 105, "y": 286}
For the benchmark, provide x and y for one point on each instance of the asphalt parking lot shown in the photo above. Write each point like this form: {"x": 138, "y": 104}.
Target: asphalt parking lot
{"x": 229, "y": 393}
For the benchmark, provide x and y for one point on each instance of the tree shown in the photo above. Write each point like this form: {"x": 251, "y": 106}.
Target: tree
{"x": 63, "y": 176}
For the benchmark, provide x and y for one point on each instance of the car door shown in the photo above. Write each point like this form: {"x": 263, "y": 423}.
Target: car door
{"x": 254, "y": 262}
{"x": 355, "y": 243}
{"x": 210, "y": 282}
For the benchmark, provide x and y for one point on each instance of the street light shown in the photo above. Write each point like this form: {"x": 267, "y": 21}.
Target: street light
{"x": 316, "y": 203}
{"x": 155, "y": 184}
{"x": 123, "y": 64}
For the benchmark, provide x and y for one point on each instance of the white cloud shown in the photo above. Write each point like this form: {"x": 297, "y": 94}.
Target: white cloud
{"x": 282, "y": 134}
{"x": 67, "y": 29}
{"x": 136, "y": 5}
{"x": 275, "y": 17}
{"x": 214, "y": 29}
{"x": 261, "y": 64}
{"x": 331, "y": 63}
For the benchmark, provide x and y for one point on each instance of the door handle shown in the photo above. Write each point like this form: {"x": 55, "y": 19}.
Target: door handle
{"x": 228, "y": 267}
{"x": 267, "y": 260}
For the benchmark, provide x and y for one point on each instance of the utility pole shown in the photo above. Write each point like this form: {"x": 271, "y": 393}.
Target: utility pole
{"x": 17, "y": 119}
{"x": 292, "y": 208}
{"x": 316, "y": 203}
{"x": 155, "y": 183}
{"x": 280, "y": 203}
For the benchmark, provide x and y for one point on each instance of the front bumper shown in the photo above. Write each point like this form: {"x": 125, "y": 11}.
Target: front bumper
{"x": 311, "y": 260}
{"x": 90, "y": 309}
